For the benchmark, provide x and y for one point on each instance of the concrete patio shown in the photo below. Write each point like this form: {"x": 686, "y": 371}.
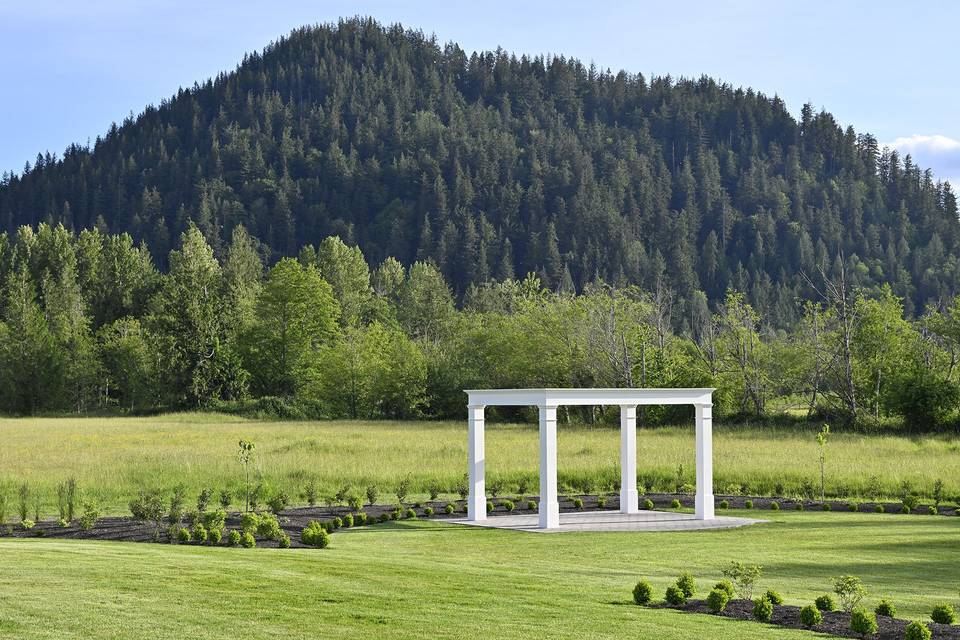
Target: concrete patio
{"x": 610, "y": 521}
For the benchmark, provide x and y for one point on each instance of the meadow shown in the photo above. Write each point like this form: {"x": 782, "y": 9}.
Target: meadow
{"x": 427, "y": 579}
{"x": 114, "y": 458}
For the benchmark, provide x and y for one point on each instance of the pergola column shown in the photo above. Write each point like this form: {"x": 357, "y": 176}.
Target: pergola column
{"x": 628, "y": 459}
{"x": 477, "y": 499}
{"x": 549, "y": 506}
{"x": 704, "y": 499}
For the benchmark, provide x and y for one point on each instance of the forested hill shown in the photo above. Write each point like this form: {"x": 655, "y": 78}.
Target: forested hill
{"x": 493, "y": 166}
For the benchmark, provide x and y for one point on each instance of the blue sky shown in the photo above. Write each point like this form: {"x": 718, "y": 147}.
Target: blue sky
{"x": 70, "y": 69}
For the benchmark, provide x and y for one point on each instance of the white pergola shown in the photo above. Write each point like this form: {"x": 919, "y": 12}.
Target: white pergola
{"x": 547, "y": 400}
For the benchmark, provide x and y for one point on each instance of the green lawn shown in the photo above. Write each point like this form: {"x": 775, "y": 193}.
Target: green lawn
{"x": 113, "y": 458}
{"x": 431, "y": 580}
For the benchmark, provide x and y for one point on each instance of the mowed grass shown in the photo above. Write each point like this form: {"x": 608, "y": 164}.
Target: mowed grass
{"x": 113, "y": 458}
{"x": 433, "y": 580}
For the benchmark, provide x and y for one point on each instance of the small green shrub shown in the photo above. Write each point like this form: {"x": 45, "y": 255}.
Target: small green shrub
{"x": 943, "y": 614}
{"x": 410, "y": 514}
{"x": 748, "y": 504}
{"x": 774, "y": 596}
{"x": 917, "y": 630}
{"x": 774, "y": 506}
{"x": 508, "y": 505}
{"x": 932, "y": 510}
{"x": 490, "y": 507}
{"x": 62, "y": 523}
{"x": 183, "y": 535}
{"x": 360, "y": 519}
{"x": 247, "y": 541}
{"x": 602, "y": 501}
{"x": 577, "y": 503}
{"x": 28, "y": 524}
{"x": 315, "y": 535}
{"x": 827, "y": 506}
{"x": 642, "y": 592}
{"x": 215, "y": 536}
{"x": 395, "y": 514}
{"x": 268, "y": 527}
{"x": 428, "y": 511}
{"x": 278, "y": 501}
{"x": 337, "y": 522}
{"x": 863, "y": 622}
{"x": 717, "y": 600}
{"x": 199, "y": 533}
{"x": 879, "y": 508}
{"x": 687, "y": 584}
{"x": 850, "y": 591}
{"x": 648, "y": 504}
{"x": 810, "y": 616}
{"x": 763, "y": 609}
{"x": 904, "y": 509}
{"x": 798, "y": 506}
{"x": 886, "y": 609}
{"x": 674, "y": 596}
{"x": 726, "y": 586}
{"x": 233, "y": 538}
{"x": 449, "y": 509}
{"x": 249, "y": 522}
{"x": 284, "y": 541}
{"x": 724, "y": 505}
{"x": 89, "y": 517}
{"x": 853, "y": 506}
{"x": 384, "y": 517}
{"x": 825, "y": 603}
{"x": 347, "y": 521}
{"x": 675, "y": 504}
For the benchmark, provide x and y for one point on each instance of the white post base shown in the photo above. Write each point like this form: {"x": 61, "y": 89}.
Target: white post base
{"x": 703, "y": 507}
{"x": 629, "y": 497}
{"x": 549, "y": 505}
{"x": 477, "y": 499}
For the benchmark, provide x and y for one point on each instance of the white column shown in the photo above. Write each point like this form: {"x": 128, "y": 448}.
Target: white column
{"x": 549, "y": 507}
{"x": 477, "y": 500}
{"x": 628, "y": 459}
{"x": 704, "y": 499}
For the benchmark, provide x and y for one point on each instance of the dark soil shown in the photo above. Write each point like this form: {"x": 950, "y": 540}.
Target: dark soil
{"x": 293, "y": 520}
{"x": 834, "y": 622}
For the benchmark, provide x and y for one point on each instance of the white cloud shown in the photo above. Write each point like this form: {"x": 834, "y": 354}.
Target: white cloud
{"x": 940, "y": 153}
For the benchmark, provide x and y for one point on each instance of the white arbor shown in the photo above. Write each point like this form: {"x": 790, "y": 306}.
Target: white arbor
{"x": 547, "y": 400}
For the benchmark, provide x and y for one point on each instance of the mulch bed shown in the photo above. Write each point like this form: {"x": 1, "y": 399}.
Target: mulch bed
{"x": 834, "y": 622}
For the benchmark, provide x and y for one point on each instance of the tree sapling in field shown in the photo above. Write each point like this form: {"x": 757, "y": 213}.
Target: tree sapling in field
{"x": 244, "y": 457}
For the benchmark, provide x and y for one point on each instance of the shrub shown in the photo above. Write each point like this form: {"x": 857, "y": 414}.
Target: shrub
{"x": 507, "y": 504}
{"x": 175, "y": 514}
{"x": 810, "y": 616}
{"x": 336, "y": 523}
{"x": 602, "y": 501}
{"x": 850, "y": 591}
{"x": 428, "y": 511}
{"x": 879, "y": 508}
{"x": 744, "y": 577}
{"x": 853, "y": 506}
{"x": 774, "y": 596}
{"x": 932, "y": 510}
{"x": 798, "y": 506}
{"x": 148, "y": 507}
{"x": 225, "y": 499}
{"x": 215, "y": 520}
{"x": 904, "y": 509}
{"x": 917, "y": 630}
{"x": 284, "y": 541}
{"x": 410, "y": 514}
{"x": 203, "y": 500}
{"x": 648, "y": 504}
{"x": 63, "y": 523}
{"x": 674, "y": 596}
{"x": 726, "y": 586}
{"x": 360, "y": 519}
{"x": 826, "y": 506}
{"x": 199, "y": 533}
{"x": 247, "y": 541}
{"x": 724, "y": 504}
{"x": 578, "y": 503}
{"x": 675, "y": 504}
{"x": 774, "y": 506}
{"x": 763, "y": 609}
{"x": 315, "y": 535}
{"x": 490, "y": 507}
{"x": 687, "y": 584}
{"x": 183, "y": 535}
{"x": 354, "y": 502}
{"x": 215, "y": 536}
{"x": 384, "y": 517}
{"x": 463, "y": 486}
{"x": 373, "y": 492}
{"x": 863, "y": 622}
{"x": 395, "y": 514}
{"x": 748, "y": 504}
{"x": 717, "y": 600}
{"x": 90, "y": 515}
{"x": 825, "y": 603}
{"x": 642, "y": 592}
{"x": 268, "y": 527}
{"x": 278, "y": 501}
{"x": 233, "y": 538}
{"x": 27, "y": 524}
{"x": 943, "y": 614}
{"x": 449, "y": 509}
{"x": 434, "y": 489}
{"x": 249, "y": 522}
{"x": 347, "y": 521}
{"x": 886, "y": 609}
{"x": 401, "y": 490}
{"x": 910, "y": 500}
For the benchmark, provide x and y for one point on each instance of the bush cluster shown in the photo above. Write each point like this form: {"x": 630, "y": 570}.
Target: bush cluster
{"x": 315, "y": 535}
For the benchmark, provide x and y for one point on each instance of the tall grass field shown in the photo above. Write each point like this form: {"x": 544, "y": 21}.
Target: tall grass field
{"x": 114, "y": 458}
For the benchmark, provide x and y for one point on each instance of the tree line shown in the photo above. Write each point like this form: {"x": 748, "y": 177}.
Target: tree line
{"x": 90, "y": 324}
{"x": 492, "y": 166}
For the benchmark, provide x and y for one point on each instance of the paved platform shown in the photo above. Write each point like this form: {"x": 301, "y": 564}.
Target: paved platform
{"x": 611, "y": 521}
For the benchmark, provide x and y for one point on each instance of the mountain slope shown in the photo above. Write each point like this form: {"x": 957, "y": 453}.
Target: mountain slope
{"x": 493, "y": 166}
